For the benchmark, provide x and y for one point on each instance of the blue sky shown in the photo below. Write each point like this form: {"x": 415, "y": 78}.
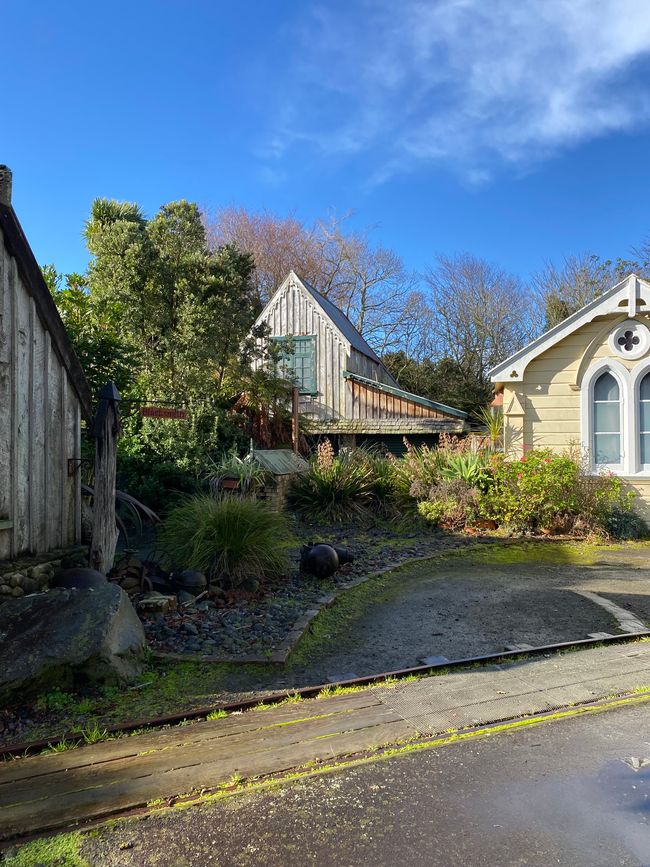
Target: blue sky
{"x": 518, "y": 130}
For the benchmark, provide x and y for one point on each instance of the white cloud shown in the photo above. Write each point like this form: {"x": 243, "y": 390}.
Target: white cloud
{"x": 472, "y": 83}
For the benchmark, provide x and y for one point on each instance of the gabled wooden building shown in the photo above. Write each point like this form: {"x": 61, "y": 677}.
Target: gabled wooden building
{"x": 345, "y": 390}
{"x": 43, "y": 396}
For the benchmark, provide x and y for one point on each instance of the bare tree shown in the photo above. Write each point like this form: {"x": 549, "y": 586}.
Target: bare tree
{"x": 560, "y": 290}
{"x": 481, "y": 314}
{"x": 369, "y": 283}
{"x": 277, "y": 244}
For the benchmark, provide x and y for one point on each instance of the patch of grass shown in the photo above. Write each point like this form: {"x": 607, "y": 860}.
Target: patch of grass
{"x": 58, "y": 701}
{"x": 55, "y": 700}
{"x": 94, "y": 734}
{"x": 217, "y": 714}
{"x": 335, "y": 689}
{"x": 61, "y": 851}
{"x": 61, "y": 746}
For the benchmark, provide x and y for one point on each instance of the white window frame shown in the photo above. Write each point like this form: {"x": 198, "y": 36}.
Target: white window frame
{"x": 636, "y": 375}
{"x": 621, "y": 375}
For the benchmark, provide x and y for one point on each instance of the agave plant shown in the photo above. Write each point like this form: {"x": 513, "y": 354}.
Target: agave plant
{"x": 470, "y": 468}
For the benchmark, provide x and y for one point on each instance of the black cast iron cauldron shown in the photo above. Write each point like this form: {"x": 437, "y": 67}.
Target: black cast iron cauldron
{"x": 320, "y": 560}
{"x": 190, "y": 581}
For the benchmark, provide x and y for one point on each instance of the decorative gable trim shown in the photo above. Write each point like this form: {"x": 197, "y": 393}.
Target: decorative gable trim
{"x": 630, "y": 296}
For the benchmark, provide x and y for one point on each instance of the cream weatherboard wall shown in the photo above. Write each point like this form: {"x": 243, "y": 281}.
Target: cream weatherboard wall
{"x": 548, "y": 404}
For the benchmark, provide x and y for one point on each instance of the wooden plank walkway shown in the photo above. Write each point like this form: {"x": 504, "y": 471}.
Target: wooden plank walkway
{"x": 93, "y": 782}
{"x": 46, "y": 792}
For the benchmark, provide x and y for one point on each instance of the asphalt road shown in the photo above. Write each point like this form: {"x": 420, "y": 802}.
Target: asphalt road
{"x": 573, "y": 792}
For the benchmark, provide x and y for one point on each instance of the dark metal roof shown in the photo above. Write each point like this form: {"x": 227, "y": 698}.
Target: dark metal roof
{"x": 18, "y": 246}
{"x": 343, "y": 324}
{"x": 280, "y": 462}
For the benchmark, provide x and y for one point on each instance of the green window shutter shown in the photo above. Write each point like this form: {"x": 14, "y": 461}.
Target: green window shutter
{"x": 301, "y": 364}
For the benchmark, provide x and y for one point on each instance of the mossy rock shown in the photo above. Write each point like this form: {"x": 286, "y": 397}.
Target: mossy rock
{"x": 67, "y": 637}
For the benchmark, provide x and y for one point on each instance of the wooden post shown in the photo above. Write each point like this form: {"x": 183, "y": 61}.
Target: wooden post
{"x": 106, "y": 429}
{"x": 295, "y": 433}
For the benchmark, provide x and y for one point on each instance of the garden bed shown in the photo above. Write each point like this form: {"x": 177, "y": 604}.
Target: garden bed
{"x": 263, "y": 627}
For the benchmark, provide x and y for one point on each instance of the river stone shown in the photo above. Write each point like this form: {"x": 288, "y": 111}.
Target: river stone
{"x": 68, "y": 636}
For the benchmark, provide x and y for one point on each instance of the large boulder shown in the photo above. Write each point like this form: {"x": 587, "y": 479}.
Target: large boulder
{"x": 67, "y": 637}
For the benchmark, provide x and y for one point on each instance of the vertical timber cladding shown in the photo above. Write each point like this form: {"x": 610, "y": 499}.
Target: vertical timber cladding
{"x": 6, "y": 406}
{"x": 293, "y": 312}
{"x": 374, "y": 403}
{"x": 40, "y": 413}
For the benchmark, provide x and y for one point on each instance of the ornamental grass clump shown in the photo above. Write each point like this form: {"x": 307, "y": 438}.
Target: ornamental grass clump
{"x": 336, "y": 488}
{"x": 386, "y": 497}
{"x": 232, "y": 539}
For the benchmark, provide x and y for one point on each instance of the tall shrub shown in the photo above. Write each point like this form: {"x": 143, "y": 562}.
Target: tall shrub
{"x": 543, "y": 488}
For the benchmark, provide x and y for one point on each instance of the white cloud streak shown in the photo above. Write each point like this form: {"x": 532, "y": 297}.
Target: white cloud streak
{"x": 474, "y": 84}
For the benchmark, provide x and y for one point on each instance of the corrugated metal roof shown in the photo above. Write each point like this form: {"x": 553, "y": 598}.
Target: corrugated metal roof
{"x": 280, "y": 462}
{"x": 342, "y": 322}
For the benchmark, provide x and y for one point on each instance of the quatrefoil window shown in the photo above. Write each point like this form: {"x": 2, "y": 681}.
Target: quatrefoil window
{"x": 630, "y": 339}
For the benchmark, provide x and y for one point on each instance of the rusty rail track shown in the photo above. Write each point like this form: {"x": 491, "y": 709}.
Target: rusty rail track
{"x": 29, "y": 747}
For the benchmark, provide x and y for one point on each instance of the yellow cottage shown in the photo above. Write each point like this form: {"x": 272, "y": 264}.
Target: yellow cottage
{"x": 586, "y": 384}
